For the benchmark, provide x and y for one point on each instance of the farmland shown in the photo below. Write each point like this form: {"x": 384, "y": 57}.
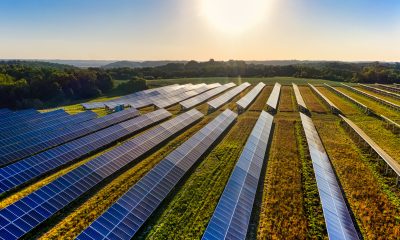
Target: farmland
{"x": 287, "y": 202}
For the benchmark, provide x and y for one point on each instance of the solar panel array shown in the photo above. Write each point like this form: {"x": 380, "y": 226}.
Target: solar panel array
{"x": 163, "y": 103}
{"x": 301, "y": 105}
{"x": 224, "y": 98}
{"x": 57, "y": 125}
{"x": 245, "y": 101}
{"x": 331, "y": 105}
{"x": 388, "y": 87}
{"x": 231, "y": 217}
{"x": 338, "y": 220}
{"x": 24, "y": 215}
{"x": 393, "y": 164}
{"x": 381, "y": 91}
{"x": 272, "y": 102}
{"x": 375, "y": 98}
{"x": 37, "y": 144}
{"x": 363, "y": 107}
{"x": 194, "y": 101}
{"x": 21, "y": 115}
{"x": 4, "y": 111}
{"x": 27, "y": 169}
{"x": 395, "y": 127}
{"x": 123, "y": 219}
{"x": 130, "y": 97}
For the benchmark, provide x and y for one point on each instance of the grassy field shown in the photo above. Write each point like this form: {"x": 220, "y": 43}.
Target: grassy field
{"x": 388, "y": 98}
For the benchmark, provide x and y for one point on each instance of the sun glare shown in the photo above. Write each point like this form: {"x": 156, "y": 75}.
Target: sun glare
{"x": 234, "y": 16}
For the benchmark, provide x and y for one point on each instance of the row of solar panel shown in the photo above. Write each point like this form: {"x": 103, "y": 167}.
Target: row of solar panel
{"x": 123, "y": 219}
{"x": 373, "y": 97}
{"x": 380, "y": 91}
{"x": 224, "y": 98}
{"x": 272, "y": 102}
{"x": 194, "y": 101}
{"x": 27, "y": 169}
{"x": 245, "y": 101}
{"x": 388, "y": 87}
{"x": 301, "y": 105}
{"x": 33, "y": 121}
{"x": 363, "y": 107}
{"x": 18, "y": 150}
{"x": 331, "y": 105}
{"x": 393, "y": 164}
{"x": 24, "y": 215}
{"x": 180, "y": 97}
{"x": 339, "y": 223}
{"x": 137, "y": 95}
{"x": 49, "y": 127}
{"x": 21, "y": 115}
{"x": 231, "y": 217}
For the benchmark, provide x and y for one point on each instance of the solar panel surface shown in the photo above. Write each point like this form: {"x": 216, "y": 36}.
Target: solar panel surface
{"x": 194, "y": 101}
{"x": 123, "y": 219}
{"x": 231, "y": 217}
{"x": 224, "y": 98}
{"x": 245, "y": 101}
{"x": 273, "y": 99}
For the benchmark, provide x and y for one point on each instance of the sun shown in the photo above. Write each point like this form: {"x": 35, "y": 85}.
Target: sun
{"x": 234, "y": 16}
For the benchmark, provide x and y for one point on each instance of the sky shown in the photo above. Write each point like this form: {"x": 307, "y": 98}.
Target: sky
{"x": 347, "y": 30}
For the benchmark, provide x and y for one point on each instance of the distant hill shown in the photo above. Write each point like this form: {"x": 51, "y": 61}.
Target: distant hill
{"x": 33, "y": 63}
{"x": 83, "y": 63}
{"x": 137, "y": 64}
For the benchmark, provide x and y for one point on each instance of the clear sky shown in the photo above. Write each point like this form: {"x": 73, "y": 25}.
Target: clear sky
{"x": 200, "y": 29}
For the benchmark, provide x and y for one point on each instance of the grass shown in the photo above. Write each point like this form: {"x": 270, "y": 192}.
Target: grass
{"x": 259, "y": 103}
{"x": 282, "y": 213}
{"x": 189, "y": 211}
{"x": 375, "y": 213}
{"x": 313, "y": 103}
{"x": 345, "y": 106}
{"x": 286, "y": 100}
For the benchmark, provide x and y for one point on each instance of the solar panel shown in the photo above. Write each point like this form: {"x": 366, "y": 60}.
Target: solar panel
{"x": 57, "y": 125}
{"x": 388, "y": 87}
{"x": 393, "y": 164}
{"x": 300, "y": 102}
{"x": 19, "y": 150}
{"x": 381, "y": 91}
{"x": 338, "y": 220}
{"x": 272, "y": 102}
{"x": 34, "y": 120}
{"x": 375, "y": 98}
{"x": 363, "y": 107}
{"x": 395, "y": 127}
{"x": 194, "y": 101}
{"x": 123, "y": 219}
{"x": 231, "y": 217}
{"x": 27, "y": 169}
{"x": 24, "y": 215}
{"x": 245, "y": 101}
{"x": 332, "y": 107}
{"x": 18, "y": 116}
{"x": 4, "y": 112}
{"x": 224, "y": 98}
{"x": 196, "y": 89}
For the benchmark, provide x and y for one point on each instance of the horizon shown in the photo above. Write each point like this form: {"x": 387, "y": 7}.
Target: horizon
{"x": 316, "y": 30}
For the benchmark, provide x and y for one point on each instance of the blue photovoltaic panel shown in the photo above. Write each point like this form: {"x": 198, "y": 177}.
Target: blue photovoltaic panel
{"x": 338, "y": 220}
{"x": 194, "y": 101}
{"x": 123, "y": 219}
{"x": 24, "y": 215}
{"x": 245, "y": 101}
{"x": 232, "y": 215}
{"x": 34, "y": 145}
{"x": 27, "y": 169}
{"x": 273, "y": 99}
{"x": 4, "y": 111}
{"x": 18, "y": 116}
{"x": 56, "y": 125}
{"x": 224, "y": 98}
{"x": 35, "y": 120}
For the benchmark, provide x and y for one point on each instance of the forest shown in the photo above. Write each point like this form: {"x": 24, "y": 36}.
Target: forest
{"x": 34, "y": 83}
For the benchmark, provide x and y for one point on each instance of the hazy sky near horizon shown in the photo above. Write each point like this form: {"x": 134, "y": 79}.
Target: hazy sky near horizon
{"x": 350, "y": 30}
